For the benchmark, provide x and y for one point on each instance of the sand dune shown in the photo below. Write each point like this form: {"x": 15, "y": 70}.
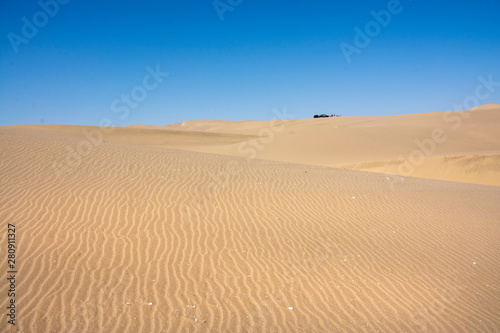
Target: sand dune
{"x": 145, "y": 232}
{"x": 419, "y": 141}
{"x": 471, "y": 168}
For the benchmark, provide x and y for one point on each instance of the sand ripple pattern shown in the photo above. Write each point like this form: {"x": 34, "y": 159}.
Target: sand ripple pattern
{"x": 145, "y": 239}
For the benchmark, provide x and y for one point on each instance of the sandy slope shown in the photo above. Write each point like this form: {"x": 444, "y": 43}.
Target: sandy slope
{"x": 228, "y": 243}
{"x": 432, "y": 145}
{"x": 470, "y": 168}
{"x": 429, "y": 145}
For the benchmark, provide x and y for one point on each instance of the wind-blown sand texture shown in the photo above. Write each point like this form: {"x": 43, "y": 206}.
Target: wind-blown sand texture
{"x": 153, "y": 231}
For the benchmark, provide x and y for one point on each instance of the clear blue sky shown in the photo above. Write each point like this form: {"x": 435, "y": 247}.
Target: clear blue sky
{"x": 263, "y": 55}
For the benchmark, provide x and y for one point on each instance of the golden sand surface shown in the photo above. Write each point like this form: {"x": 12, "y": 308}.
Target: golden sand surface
{"x": 186, "y": 228}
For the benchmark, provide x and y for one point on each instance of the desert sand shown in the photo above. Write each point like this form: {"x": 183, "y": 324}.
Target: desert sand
{"x": 350, "y": 224}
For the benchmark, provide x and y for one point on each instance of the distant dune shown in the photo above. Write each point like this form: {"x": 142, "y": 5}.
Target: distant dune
{"x": 217, "y": 226}
{"x": 462, "y": 146}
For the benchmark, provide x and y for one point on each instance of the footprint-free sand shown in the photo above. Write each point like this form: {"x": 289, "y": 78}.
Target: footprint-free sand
{"x": 350, "y": 224}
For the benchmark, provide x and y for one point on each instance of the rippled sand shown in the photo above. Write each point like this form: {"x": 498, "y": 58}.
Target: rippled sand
{"x": 136, "y": 236}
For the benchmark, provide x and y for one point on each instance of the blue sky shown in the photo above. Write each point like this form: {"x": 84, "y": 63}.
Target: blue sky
{"x": 263, "y": 55}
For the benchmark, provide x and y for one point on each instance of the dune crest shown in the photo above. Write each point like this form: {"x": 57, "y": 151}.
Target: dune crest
{"x": 486, "y": 107}
{"x": 423, "y": 140}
